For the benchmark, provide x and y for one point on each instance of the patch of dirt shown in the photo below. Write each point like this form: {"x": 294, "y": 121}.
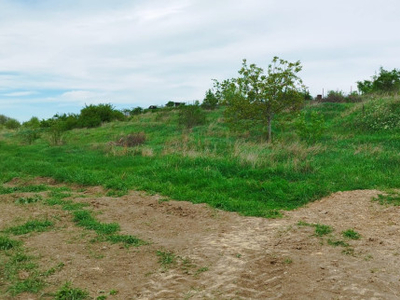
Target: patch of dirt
{"x": 219, "y": 255}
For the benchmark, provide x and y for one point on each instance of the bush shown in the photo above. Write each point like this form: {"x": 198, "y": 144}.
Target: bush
{"x": 12, "y": 124}
{"x": 94, "y": 115}
{"x": 191, "y": 115}
{"x": 132, "y": 140}
{"x": 136, "y": 111}
{"x": 210, "y": 101}
{"x": 33, "y": 123}
{"x": 30, "y": 135}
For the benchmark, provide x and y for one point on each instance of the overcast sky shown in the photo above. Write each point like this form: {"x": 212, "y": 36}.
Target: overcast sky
{"x": 56, "y": 56}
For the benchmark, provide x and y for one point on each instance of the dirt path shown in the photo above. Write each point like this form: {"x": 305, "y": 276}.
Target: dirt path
{"x": 220, "y": 255}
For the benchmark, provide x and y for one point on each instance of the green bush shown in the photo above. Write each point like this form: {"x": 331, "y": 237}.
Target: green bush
{"x": 12, "y": 124}
{"x": 30, "y": 135}
{"x": 94, "y": 115}
{"x": 191, "y": 115}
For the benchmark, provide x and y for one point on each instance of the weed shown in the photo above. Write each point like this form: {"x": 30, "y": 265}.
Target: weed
{"x": 6, "y": 243}
{"x": 201, "y": 270}
{"x": 53, "y": 270}
{"x": 321, "y": 230}
{"x": 31, "y": 226}
{"x": 392, "y": 198}
{"x": 113, "y": 292}
{"x": 28, "y": 200}
{"x": 348, "y": 251}
{"x": 166, "y": 259}
{"x": 288, "y": 261}
{"x": 351, "y": 234}
{"x": 67, "y": 292}
{"x": 127, "y": 240}
{"x": 336, "y": 243}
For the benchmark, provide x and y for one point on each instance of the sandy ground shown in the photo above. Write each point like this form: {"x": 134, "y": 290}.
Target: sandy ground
{"x": 218, "y": 255}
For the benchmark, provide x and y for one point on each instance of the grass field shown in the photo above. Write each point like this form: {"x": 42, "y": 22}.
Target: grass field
{"x": 210, "y": 164}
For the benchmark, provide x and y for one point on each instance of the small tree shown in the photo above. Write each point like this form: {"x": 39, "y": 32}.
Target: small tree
{"x": 210, "y": 101}
{"x": 256, "y": 97}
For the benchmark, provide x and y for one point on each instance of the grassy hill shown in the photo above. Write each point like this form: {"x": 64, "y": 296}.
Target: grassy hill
{"x": 359, "y": 149}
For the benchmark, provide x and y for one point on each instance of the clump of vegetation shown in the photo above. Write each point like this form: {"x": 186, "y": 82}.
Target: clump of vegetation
{"x": 392, "y": 197}
{"x": 310, "y": 126}
{"x": 31, "y": 226}
{"x": 190, "y": 116}
{"x": 351, "y": 234}
{"x": 67, "y": 292}
{"x": 28, "y": 200}
{"x": 166, "y": 258}
{"x": 384, "y": 82}
{"x": 6, "y": 243}
{"x": 132, "y": 139}
{"x": 340, "y": 97}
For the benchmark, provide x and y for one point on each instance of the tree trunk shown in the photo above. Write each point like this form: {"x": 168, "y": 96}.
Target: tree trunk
{"x": 269, "y": 120}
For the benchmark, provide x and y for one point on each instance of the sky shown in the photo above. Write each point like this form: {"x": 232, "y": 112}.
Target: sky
{"x": 58, "y": 56}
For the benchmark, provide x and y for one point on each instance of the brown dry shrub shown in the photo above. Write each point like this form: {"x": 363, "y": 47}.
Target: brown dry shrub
{"x": 132, "y": 140}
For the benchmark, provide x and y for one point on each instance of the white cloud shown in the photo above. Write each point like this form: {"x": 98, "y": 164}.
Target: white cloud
{"x": 152, "y": 51}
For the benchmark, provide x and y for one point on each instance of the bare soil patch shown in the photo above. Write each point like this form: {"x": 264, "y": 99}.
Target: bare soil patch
{"x": 217, "y": 254}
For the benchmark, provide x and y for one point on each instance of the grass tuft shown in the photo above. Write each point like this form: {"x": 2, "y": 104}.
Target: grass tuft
{"x": 31, "y": 226}
{"x": 67, "y": 292}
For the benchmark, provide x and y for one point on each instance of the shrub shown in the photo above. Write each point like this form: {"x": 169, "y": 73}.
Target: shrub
{"x": 30, "y": 135}
{"x": 210, "y": 101}
{"x": 12, "y": 124}
{"x": 94, "y": 115}
{"x": 191, "y": 115}
{"x": 132, "y": 140}
{"x": 33, "y": 123}
{"x": 136, "y": 111}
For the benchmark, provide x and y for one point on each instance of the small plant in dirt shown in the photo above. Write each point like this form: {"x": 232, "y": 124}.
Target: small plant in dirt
{"x": 351, "y": 234}
{"x": 166, "y": 258}
{"x": 321, "y": 230}
{"x": 67, "y": 292}
{"x": 337, "y": 243}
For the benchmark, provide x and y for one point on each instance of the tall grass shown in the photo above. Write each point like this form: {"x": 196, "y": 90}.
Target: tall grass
{"x": 210, "y": 164}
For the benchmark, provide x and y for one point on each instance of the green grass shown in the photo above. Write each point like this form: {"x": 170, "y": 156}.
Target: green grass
{"x": 166, "y": 258}
{"x": 31, "y": 226}
{"x": 67, "y": 292}
{"x": 351, "y": 234}
{"x": 28, "y": 200}
{"x": 210, "y": 164}
{"x": 321, "y": 229}
{"x": 85, "y": 219}
{"x": 6, "y": 243}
